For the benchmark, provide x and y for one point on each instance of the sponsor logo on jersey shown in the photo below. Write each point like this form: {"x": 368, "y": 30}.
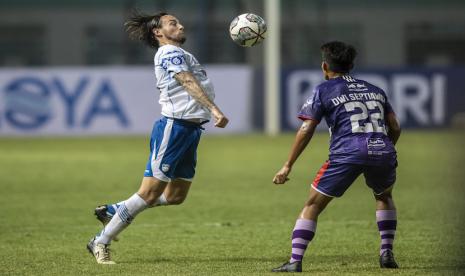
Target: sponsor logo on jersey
{"x": 375, "y": 143}
{"x": 175, "y": 60}
{"x": 357, "y": 87}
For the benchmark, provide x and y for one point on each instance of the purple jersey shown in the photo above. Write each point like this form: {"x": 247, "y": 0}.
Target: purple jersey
{"x": 354, "y": 111}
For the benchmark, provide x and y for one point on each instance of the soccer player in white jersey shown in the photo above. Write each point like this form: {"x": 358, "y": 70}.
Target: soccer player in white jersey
{"x": 186, "y": 97}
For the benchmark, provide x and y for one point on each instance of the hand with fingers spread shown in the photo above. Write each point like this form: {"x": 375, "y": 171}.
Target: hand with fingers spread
{"x": 281, "y": 175}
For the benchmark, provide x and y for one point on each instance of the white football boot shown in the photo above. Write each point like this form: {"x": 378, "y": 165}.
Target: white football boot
{"x": 101, "y": 252}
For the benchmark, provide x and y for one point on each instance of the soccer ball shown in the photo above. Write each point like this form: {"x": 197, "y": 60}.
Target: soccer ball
{"x": 247, "y": 29}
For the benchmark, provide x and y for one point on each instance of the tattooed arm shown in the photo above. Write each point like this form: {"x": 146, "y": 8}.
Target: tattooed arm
{"x": 192, "y": 86}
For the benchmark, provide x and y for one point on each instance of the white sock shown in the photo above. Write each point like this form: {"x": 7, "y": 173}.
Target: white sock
{"x": 116, "y": 205}
{"x": 123, "y": 217}
{"x": 161, "y": 201}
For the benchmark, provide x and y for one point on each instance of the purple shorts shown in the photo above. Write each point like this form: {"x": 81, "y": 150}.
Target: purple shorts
{"x": 334, "y": 178}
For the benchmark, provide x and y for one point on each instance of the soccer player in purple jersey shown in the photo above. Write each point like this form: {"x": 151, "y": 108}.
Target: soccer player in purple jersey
{"x": 364, "y": 130}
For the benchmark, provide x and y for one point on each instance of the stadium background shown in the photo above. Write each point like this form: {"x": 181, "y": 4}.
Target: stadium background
{"x": 77, "y": 100}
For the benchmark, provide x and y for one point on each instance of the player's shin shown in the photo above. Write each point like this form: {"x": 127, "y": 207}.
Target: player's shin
{"x": 303, "y": 233}
{"x": 112, "y": 208}
{"x": 387, "y": 223}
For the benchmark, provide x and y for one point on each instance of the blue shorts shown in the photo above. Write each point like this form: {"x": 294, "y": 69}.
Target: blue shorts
{"x": 334, "y": 178}
{"x": 173, "y": 149}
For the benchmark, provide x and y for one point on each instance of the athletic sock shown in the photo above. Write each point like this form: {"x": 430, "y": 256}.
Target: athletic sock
{"x": 303, "y": 233}
{"x": 126, "y": 212}
{"x": 161, "y": 201}
{"x": 111, "y": 208}
{"x": 387, "y": 223}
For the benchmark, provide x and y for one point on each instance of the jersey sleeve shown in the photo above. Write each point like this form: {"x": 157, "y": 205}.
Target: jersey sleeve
{"x": 173, "y": 60}
{"x": 312, "y": 108}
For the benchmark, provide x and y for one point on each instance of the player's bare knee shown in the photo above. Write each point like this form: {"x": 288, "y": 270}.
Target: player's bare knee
{"x": 317, "y": 200}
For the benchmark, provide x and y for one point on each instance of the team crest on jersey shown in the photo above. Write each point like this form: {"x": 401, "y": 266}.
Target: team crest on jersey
{"x": 176, "y": 60}
{"x": 165, "y": 167}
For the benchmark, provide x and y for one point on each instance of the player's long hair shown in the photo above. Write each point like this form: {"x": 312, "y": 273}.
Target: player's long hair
{"x": 339, "y": 56}
{"x": 139, "y": 27}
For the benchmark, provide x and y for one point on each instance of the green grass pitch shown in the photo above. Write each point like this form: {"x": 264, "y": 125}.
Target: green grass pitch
{"x": 235, "y": 221}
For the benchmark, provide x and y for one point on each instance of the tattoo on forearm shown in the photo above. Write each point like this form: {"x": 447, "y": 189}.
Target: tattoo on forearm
{"x": 194, "y": 89}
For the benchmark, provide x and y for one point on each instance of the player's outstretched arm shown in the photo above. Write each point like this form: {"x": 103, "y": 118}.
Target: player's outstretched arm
{"x": 302, "y": 138}
{"x": 192, "y": 86}
{"x": 393, "y": 125}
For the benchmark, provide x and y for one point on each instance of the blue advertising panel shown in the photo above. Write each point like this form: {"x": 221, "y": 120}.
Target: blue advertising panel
{"x": 105, "y": 100}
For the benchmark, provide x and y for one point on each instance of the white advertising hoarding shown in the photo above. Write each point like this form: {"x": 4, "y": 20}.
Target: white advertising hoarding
{"x": 106, "y": 100}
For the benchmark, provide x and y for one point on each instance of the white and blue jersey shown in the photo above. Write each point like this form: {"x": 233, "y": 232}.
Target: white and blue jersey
{"x": 174, "y": 99}
{"x": 175, "y": 137}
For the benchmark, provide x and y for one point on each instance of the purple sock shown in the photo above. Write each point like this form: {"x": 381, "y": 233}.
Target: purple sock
{"x": 387, "y": 223}
{"x": 303, "y": 233}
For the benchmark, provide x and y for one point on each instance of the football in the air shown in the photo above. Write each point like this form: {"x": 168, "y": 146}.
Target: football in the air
{"x": 247, "y": 29}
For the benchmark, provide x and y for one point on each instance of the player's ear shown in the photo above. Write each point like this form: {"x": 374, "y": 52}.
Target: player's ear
{"x": 156, "y": 32}
{"x": 324, "y": 66}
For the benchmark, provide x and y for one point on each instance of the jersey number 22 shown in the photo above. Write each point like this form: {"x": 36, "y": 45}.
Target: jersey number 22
{"x": 375, "y": 117}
